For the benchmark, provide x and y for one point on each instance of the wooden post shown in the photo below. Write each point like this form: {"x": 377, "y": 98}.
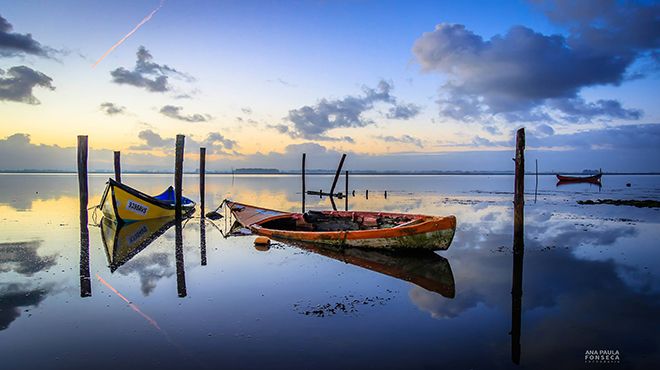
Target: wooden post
{"x": 334, "y": 182}
{"x": 117, "y": 166}
{"x": 178, "y": 174}
{"x": 202, "y": 179}
{"x": 346, "y": 194}
{"x": 385, "y": 194}
{"x": 303, "y": 182}
{"x": 85, "y": 282}
{"x": 519, "y": 184}
{"x": 518, "y": 246}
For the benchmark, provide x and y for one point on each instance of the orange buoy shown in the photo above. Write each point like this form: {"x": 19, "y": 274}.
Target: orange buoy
{"x": 262, "y": 240}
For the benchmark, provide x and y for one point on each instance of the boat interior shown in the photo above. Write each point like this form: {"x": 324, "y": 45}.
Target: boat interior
{"x": 337, "y": 221}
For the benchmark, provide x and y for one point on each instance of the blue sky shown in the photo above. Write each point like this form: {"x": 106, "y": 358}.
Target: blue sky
{"x": 387, "y": 81}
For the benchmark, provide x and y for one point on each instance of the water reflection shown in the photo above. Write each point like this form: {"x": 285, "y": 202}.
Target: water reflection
{"x": 423, "y": 268}
{"x": 178, "y": 255}
{"x": 125, "y": 241}
{"x": 15, "y": 296}
{"x": 22, "y": 258}
{"x": 590, "y": 282}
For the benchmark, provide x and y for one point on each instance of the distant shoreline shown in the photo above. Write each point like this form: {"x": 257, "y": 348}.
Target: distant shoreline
{"x": 325, "y": 173}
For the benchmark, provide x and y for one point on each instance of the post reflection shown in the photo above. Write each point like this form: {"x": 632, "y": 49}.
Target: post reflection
{"x": 202, "y": 240}
{"x": 85, "y": 282}
{"x": 178, "y": 255}
{"x": 516, "y": 297}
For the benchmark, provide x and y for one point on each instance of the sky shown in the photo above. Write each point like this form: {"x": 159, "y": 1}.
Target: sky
{"x": 397, "y": 85}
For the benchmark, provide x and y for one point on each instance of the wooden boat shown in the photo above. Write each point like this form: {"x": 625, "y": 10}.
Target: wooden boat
{"x": 121, "y": 203}
{"x": 351, "y": 229}
{"x": 592, "y": 179}
{"x": 123, "y": 241}
{"x": 421, "y": 267}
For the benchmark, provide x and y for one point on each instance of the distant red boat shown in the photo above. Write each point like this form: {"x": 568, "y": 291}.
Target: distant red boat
{"x": 594, "y": 179}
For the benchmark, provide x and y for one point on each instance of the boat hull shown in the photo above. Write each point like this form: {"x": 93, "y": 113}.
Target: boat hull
{"x": 123, "y": 204}
{"x": 422, "y": 232}
{"x": 590, "y": 179}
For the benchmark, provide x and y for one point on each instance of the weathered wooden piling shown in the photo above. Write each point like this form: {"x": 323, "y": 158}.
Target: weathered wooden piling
{"x": 346, "y": 193}
{"x": 85, "y": 282}
{"x": 117, "y": 155}
{"x": 519, "y": 185}
{"x": 334, "y": 182}
{"x": 178, "y": 175}
{"x": 303, "y": 181}
{"x": 202, "y": 179}
{"x": 518, "y": 246}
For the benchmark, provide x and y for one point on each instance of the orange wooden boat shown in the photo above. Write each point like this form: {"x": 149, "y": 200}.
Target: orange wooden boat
{"x": 592, "y": 179}
{"x": 351, "y": 229}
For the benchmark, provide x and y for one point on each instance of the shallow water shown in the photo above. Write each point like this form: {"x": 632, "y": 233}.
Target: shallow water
{"x": 591, "y": 281}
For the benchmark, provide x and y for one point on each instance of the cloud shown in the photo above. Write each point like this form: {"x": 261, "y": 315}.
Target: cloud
{"x": 403, "y": 111}
{"x": 630, "y": 137}
{"x": 14, "y": 296}
{"x": 111, "y": 108}
{"x": 630, "y": 148}
{"x": 246, "y": 110}
{"x": 406, "y": 139}
{"x": 14, "y": 44}
{"x": 22, "y": 258}
{"x": 151, "y": 268}
{"x": 522, "y": 70}
{"x": 215, "y": 143}
{"x": 281, "y": 82}
{"x": 174, "y": 112}
{"x": 577, "y": 110}
{"x": 147, "y": 74}
{"x": 20, "y": 81}
{"x": 312, "y": 122}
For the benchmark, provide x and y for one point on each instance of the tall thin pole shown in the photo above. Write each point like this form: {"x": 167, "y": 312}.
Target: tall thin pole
{"x": 303, "y": 182}
{"x": 334, "y": 182}
{"x": 85, "y": 282}
{"x": 202, "y": 179}
{"x": 346, "y": 194}
{"x": 178, "y": 174}
{"x": 117, "y": 155}
{"x": 536, "y": 188}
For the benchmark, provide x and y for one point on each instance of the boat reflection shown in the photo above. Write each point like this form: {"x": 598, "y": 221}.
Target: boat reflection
{"x": 423, "y": 268}
{"x": 123, "y": 242}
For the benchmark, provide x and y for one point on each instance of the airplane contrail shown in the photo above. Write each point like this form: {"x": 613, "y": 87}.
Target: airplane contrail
{"x": 145, "y": 20}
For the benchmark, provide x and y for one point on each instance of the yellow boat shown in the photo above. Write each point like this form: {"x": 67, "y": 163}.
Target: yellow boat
{"x": 122, "y": 204}
{"x": 123, "y": 241}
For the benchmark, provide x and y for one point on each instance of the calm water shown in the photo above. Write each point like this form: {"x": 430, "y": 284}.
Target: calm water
{"x": 591, "y": 281}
